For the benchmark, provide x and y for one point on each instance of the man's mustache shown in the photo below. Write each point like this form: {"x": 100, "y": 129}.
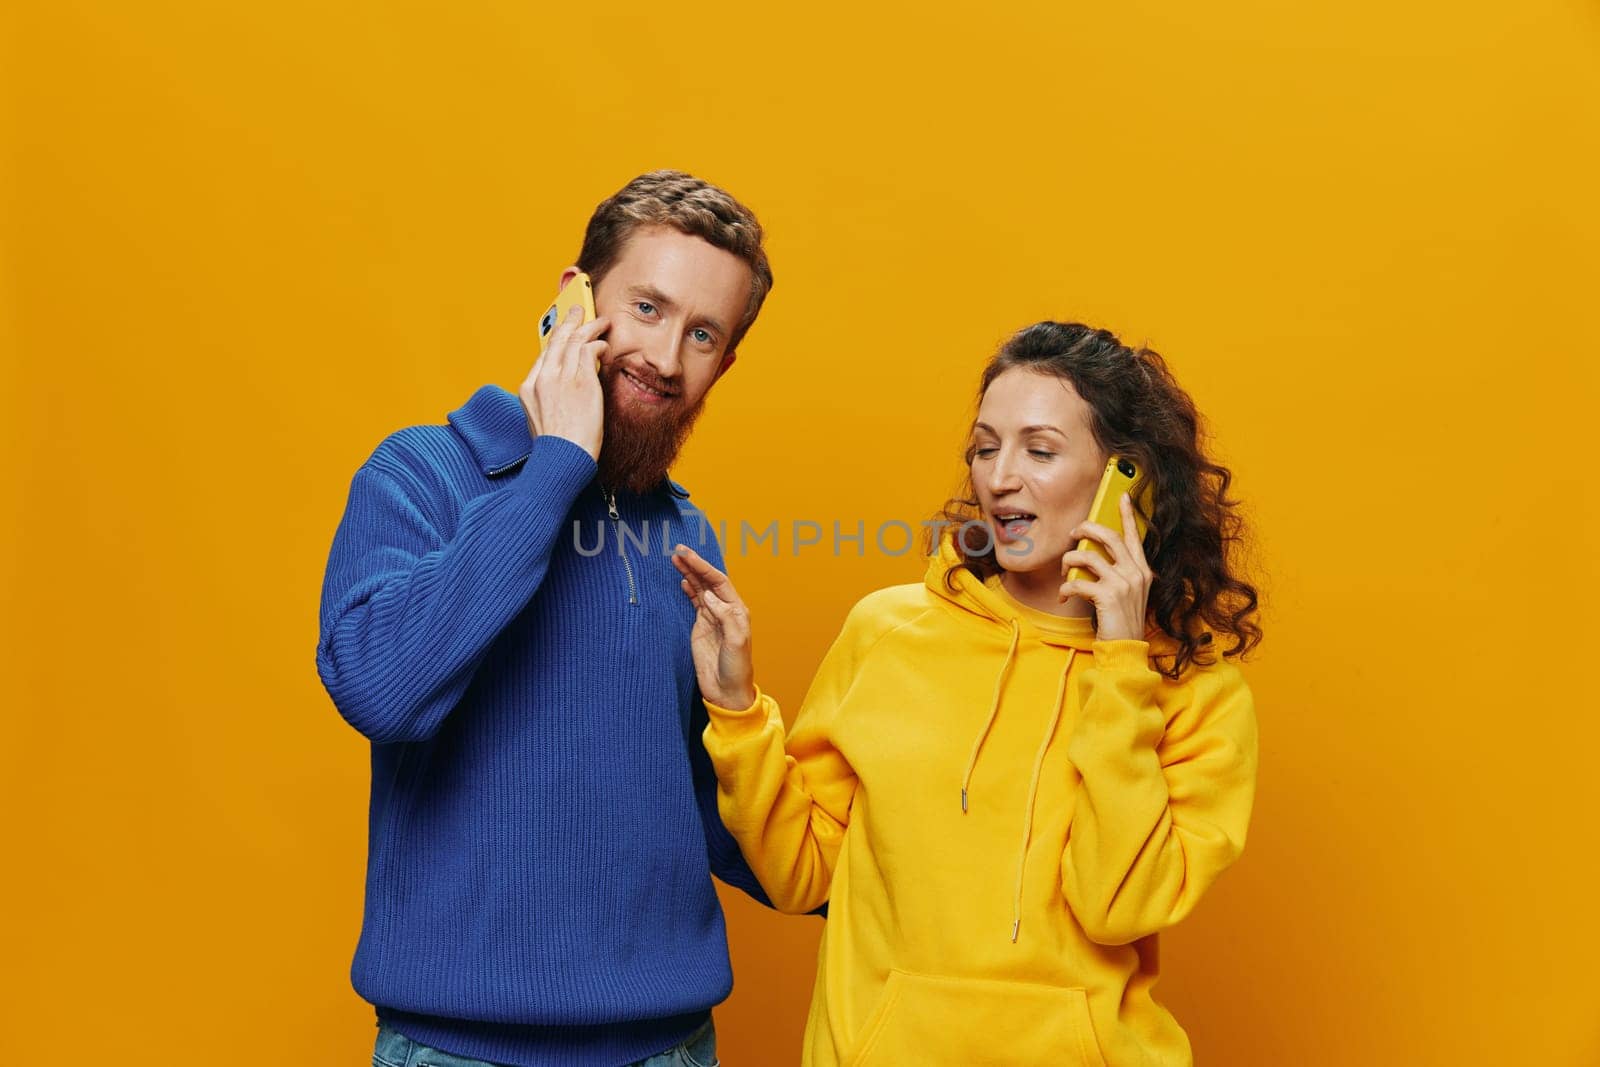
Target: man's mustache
{"x": 646, "y": 377}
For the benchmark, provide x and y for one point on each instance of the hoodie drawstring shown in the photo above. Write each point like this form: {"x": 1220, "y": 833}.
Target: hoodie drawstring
{"x": 1033, "y": 793}
{"x": 994, "y": 710}
{"x": 1038, "y": 761}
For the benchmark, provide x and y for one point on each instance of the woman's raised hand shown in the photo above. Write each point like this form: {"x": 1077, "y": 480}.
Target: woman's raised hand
{"x": 1120, "y": 590}
{"x": 721, "y": 636}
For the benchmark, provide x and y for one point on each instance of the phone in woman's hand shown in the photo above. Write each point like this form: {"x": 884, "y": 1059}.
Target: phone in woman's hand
{"x": 1106, "y": 510}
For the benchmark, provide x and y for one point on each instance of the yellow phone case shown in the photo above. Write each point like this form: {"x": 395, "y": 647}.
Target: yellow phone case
{"x": 576, "y": 292}
{"x": 1107, "y": 509}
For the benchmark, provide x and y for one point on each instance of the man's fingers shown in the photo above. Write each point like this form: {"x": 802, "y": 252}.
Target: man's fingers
{"x": 589, "y": 355}
{"x": 563, "y": 331}
{"x": 554, "y": 358}
{"x": 573, "y": 331}
{"x": 580, "y": 338}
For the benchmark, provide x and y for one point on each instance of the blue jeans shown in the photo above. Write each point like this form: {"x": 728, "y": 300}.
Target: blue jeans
{"x": 395, "y": 1049}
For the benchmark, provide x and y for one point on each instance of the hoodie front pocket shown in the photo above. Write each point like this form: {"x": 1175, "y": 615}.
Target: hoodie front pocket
{"x": 924, "y": 1019}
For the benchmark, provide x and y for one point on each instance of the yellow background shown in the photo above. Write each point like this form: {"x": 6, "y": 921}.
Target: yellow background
{"x": 243, "y": 242}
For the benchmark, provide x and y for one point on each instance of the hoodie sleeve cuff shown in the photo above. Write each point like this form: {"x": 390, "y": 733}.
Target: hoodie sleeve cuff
{"x": 1124, "y": 654}
{"x": 743, "y": 722}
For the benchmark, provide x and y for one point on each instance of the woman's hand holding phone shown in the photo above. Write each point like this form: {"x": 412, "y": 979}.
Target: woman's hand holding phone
{"x": 721, "y": 635}
{"x": 1121, "y": 589}
{"x": 562, "y": 394}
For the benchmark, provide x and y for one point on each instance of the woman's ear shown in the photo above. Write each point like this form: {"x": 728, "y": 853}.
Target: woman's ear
{"x": 567, "y": 275}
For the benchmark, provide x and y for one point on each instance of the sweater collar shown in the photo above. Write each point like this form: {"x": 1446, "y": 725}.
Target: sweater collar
{"x": 495, "y": 428}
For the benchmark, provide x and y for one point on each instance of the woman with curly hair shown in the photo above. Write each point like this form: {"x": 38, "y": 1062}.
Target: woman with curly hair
{"x": 1005, "y": 785}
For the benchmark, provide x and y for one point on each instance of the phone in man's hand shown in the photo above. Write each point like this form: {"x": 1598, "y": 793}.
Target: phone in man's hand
{"x": 576, "y": 293}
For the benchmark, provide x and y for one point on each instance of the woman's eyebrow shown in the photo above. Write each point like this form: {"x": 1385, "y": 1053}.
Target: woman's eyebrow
{"x": 1025, "y": 429}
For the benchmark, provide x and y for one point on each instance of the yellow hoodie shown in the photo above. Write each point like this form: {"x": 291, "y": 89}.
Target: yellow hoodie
{"x": 1002, "y": 812}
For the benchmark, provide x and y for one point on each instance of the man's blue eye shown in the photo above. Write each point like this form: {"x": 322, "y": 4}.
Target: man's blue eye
{"x": 645, "y": 307}
{"x": 702, "y": 336}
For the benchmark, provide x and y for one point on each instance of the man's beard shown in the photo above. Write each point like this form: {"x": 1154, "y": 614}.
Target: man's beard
{"x": 639, "y": 444}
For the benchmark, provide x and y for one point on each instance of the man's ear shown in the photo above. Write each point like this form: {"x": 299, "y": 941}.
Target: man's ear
{"x": 567, "y": 275}
{"x": 727, "y": 365}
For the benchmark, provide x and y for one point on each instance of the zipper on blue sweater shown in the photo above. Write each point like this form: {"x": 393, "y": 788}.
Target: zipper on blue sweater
{"x": 622, "y": 547}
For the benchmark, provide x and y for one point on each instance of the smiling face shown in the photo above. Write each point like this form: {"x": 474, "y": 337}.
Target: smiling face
{"x": 1035, "y": 467}
{"x": 674, "y": 301}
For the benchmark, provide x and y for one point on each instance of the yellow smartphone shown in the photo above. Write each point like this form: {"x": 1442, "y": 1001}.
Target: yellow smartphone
{"x": 1106, "y": 510}
{"x": 576, "y": 293}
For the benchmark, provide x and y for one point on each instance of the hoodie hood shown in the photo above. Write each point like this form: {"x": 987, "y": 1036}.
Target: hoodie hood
{"x": 953, "y": 583}
{"x": 948, "y": 580}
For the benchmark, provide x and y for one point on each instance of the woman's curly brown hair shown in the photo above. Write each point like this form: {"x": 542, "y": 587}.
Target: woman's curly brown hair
{"x": 1138, "y": 410}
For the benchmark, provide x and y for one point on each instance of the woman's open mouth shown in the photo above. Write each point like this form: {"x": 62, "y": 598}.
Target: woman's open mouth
{"x": 1012, "y": 525}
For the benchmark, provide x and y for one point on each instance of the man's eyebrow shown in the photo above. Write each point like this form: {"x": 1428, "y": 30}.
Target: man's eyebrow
{"x": 1025, "y": 429}
{"x": 666, "y": 303}
{"x": 654, "y": 295}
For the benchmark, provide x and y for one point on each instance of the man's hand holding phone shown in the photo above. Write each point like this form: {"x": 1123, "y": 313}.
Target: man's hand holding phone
{"x": 562, "y": 394}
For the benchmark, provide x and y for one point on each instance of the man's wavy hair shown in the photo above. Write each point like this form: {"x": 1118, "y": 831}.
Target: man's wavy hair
{"x": 689, "y": 205}
{"x": 1138, "y": 410}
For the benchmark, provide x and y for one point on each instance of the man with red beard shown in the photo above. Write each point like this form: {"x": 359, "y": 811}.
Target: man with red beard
{"x": 543, "y": 823}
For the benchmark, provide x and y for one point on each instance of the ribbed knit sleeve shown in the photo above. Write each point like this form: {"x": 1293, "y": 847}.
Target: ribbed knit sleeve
{"x": 406, "y": 615}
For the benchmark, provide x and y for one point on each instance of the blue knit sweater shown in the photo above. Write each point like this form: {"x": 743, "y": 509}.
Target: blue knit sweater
{"x": 543, "y": 820}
